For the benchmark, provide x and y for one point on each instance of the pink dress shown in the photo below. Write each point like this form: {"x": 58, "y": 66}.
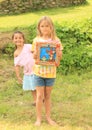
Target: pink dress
{"x": 25, "y": 59}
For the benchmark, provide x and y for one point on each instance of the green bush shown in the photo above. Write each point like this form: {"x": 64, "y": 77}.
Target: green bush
{"x": 77, "y": 43}
{"x": 9, "y": 49}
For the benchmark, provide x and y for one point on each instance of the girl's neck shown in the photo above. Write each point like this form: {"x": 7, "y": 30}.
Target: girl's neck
{"x": 45, "y": 37}
{"x": 20, "y": 47}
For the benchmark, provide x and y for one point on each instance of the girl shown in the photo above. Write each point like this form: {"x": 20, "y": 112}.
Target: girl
{"x": 44, "y": 75}
{"x": 24, "y": 58}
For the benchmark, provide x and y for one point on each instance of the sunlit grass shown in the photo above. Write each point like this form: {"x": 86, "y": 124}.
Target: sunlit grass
{"x": 30, "y": 126}
{"x": 25, "y": 126}
{"x": 76, "y": 13}
{"x": 71, "y": 102}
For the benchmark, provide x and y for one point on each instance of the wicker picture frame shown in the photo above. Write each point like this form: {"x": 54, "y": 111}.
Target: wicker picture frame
{"x": 47, "y": 53}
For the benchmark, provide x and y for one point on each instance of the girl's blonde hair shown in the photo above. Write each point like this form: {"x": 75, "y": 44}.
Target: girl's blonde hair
{"x": 49, "y": 21}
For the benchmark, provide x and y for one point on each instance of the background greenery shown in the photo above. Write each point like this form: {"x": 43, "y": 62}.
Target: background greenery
{"x": 77, "y": 42}
{"x": 21, "y": 6}
{"x": 68, "y": 14}
{"x": 72, "y": 92}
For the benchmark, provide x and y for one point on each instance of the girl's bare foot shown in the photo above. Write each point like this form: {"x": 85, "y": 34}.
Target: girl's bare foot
{"x": 37, "y": 123}
{"x": 51, "y": 122}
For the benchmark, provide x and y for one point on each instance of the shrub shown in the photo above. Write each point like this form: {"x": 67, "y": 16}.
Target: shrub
{"x": 9, "y": 49}
{"x": 77, "y": 42}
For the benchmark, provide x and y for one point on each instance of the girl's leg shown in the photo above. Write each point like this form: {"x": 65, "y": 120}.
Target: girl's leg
{"x": 34, "y": 97}
{"x": 47, "y": 95}
{"x": 39, "y": 102}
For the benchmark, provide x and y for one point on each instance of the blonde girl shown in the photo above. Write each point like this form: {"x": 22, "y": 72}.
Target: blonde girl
{"x": 44, "y": 75}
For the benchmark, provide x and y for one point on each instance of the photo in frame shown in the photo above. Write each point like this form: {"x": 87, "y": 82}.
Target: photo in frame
{"x": 47, "y": 53}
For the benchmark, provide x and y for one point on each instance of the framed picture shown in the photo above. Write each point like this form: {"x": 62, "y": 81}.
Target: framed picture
{"x": 47, "y": 53}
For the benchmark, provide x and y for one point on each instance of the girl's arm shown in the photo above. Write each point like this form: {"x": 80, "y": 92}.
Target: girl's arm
{"x": 59, "y": 58}
{"x": 60, "y": 52}
{"x": 33, "y": 50}
{"x": 17, "y": 68}
{"x": 17, "y": 71}
{"x": 35, "y": 55}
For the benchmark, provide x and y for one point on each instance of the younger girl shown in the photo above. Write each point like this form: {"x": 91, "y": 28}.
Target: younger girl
{"x": 24, "y": 58}
{"x": 44, "y": 75}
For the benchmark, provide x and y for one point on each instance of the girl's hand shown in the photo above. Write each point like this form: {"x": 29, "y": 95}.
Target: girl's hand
{"x": 20, "y": 80}
{"x": 57, "y": 64}
{"x": 60, "y": 54}
{"x": 59, "y": 58}
{"x": 35, "y": 55}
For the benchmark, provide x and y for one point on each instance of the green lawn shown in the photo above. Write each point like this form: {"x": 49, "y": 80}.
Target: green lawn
{"x": 71, "y": 102}
{"x": 59, "y": 15}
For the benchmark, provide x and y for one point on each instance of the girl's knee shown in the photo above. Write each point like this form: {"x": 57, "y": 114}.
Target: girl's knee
{"x": 39, "y": 97}
{"x": 47, "y": 96}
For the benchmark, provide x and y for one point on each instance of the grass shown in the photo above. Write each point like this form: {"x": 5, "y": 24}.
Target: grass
{"x": 71, "y": 102}
{"x": 75, "y": 13}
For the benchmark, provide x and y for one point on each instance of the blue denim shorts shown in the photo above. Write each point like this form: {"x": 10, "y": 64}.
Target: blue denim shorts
{"x": 43, "y": 82}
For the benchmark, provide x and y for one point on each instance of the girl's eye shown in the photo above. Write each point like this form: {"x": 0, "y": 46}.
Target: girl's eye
{"x": 42, "y": 26}
{"x": 15, "y": 38}
{"x": 20, "y": 38}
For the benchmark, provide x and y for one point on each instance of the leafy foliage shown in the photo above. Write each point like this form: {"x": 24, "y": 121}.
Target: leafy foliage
{"x": 77, "y": 43}
{"x": 9, "y": 49}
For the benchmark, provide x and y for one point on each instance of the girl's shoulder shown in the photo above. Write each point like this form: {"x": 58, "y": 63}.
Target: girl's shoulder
{"x": 57, "y": 39}
{"x": 40, "y": 39}
{"x": 27, "y": 46}
{"x": 16, "y": 53}
{"x": 36, "y": 39}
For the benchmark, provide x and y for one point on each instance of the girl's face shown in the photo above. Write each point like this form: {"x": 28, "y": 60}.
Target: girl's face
{"x": 45, "y": 28}
{"x": 18, "y": 39}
